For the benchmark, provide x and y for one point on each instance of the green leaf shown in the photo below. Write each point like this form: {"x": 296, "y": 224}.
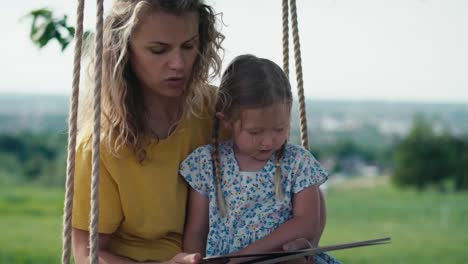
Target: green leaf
{"x": 46, "y": 27}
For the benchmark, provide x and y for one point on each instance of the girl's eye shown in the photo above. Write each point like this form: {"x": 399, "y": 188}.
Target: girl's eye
{"x": 279, "y": 130}
{"x": 254, "y": 133}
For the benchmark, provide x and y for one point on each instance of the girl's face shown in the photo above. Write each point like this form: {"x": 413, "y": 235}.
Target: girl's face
{"x": 259, "y": 132}
{"x": 163, "y": 50}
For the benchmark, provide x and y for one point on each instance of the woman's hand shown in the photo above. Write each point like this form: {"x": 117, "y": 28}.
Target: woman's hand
{"x": 298, "y": 244}
{"x": 300, "y": 261}
{"x": 184, "y": 258}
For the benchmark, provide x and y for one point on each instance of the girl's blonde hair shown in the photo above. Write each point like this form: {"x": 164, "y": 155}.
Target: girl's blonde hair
{"x": 249, "y": 82}
{"x": 123, "y": 107}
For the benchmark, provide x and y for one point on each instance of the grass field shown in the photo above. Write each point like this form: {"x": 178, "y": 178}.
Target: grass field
{"x": 425, "y": 227}
{"x": 30, "y": 219}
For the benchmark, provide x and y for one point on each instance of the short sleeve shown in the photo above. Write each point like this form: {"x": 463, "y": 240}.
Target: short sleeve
{"x": 197, "y": 170}
{"x": 110, "y": 209}
{"x": 308, "y": 171}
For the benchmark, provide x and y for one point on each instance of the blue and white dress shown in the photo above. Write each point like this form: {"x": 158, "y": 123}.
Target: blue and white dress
{"x": 253, "y": 209}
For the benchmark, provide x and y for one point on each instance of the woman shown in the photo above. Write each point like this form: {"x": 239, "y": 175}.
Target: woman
{"x": 157, "y": 107}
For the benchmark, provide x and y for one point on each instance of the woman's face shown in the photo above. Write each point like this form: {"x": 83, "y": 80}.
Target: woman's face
{"x": 163, "y": 50}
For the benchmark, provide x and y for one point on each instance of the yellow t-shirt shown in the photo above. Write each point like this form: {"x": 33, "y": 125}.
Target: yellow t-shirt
{"x": 142, "y": 205}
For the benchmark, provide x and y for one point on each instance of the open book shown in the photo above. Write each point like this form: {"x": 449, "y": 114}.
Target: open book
{"x": 279, "y": 256}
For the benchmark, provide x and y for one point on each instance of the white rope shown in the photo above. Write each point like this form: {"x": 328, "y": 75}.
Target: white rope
{"x": 94, "y": 223}
{"x": 72, "y": 127}
{"x": 300, "y": 82}
{"x": 285, "y": 37}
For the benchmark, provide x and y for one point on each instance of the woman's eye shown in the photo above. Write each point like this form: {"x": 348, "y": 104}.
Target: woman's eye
{"x": 188, "y": 46}
{"x": 279, "y": 130}
{"x": 254, "y": 133}
{"x": 158, "y": 50}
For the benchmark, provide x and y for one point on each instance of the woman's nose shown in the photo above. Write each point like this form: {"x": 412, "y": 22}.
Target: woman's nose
{"x": 177, "y": 61}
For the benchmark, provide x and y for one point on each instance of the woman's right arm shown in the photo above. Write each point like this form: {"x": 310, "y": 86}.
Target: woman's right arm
{"x": 81, "y": 248}
{"x": 81, "y": 251}
{"x": 196, "y": 225}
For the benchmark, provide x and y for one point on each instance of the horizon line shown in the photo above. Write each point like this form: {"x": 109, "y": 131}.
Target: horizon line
{"x": 321, "y": 99}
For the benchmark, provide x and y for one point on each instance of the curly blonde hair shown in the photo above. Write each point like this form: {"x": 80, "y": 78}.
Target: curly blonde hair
{"x": 123, "y": 114}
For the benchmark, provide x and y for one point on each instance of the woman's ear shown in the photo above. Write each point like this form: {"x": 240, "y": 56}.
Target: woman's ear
{"x": 225, "y": 121}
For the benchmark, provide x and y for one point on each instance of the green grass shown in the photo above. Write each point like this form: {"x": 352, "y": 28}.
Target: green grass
{"x": 425, "y": 227}
{"x": 30, "y": 219}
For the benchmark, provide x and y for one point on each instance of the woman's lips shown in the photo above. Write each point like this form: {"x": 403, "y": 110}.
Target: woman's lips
{"x": 175, "y": 82}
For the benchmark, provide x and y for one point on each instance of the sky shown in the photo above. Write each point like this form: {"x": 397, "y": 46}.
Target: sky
{"x": 386, "y": 50}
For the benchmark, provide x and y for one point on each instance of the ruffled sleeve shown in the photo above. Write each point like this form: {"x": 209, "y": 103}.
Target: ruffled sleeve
{"x": 308, "y": 171}
{"x": 197, "y": 170}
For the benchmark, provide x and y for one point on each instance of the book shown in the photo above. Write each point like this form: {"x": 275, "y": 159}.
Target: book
{"x": 280, "y": 256}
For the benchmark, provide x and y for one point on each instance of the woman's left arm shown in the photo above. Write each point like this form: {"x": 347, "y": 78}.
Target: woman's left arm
{"x": 304, "y": 224}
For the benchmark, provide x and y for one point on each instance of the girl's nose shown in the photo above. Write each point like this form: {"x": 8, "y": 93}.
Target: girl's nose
{"x": 267, "y": 142}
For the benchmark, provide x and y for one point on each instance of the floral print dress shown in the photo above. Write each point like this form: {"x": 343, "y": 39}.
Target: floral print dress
{"x": 253, "y": 209}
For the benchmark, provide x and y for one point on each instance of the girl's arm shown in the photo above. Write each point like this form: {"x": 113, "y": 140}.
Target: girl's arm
{"x": 304, "y": 224}
{"x": 196, "y": 225}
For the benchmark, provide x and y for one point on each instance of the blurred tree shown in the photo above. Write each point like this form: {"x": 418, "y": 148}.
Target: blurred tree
{"x": 33, "y": 157}
{"x": 424, "y": 158}
{"x": 9, "y": 165}
{"x": 416, "y": 156}
{"x": 461, "y": 182}
{"x": 347, "y": 148}
{"x": 54, "y": 173}
{"x": 459, "y": 162}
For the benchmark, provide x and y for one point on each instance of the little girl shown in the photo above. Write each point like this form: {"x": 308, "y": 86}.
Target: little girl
{"x": 254, "y": 192}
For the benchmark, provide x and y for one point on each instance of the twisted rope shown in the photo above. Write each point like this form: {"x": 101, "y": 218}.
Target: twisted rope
{"x": 300, "y": 86}
{"x": 300, "y": 82}
{"x": 286, "y": 37}
{"x": 93, "y": 227}
{"x": 72, "y": 126}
